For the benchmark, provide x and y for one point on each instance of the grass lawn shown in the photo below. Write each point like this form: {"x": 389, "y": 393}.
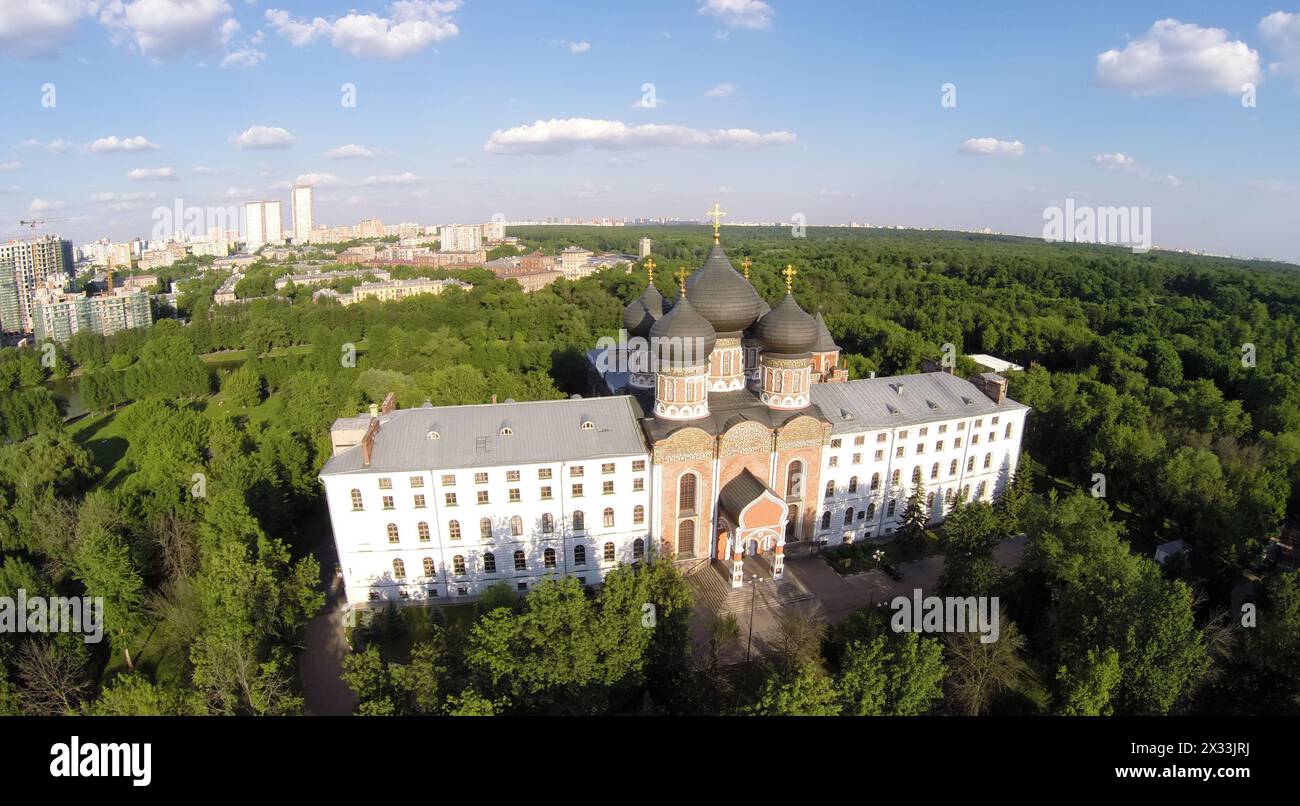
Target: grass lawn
{"x": 102, "y": 435}
{"x": 858, "y": 557}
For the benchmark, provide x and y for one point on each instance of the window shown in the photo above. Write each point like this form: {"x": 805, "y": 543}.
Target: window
{"x": 575, "y": 472}
{"x": 902, "y": 434}
{"x": 546, "y": 493}
{"x": 356, "y": 501}
{"x": 965, "y": 491}
{"x": 920, "y": 448}
{"x": 453, "y": 530}
{"x": 950, "y": 496}
{"x": 830, "y": 489}
{"x": 794, "y": 480}
{"x": 548, "y": 523}
{"x": 608, "y": 518}
{"x": 979, "y": 423}
{"x": 871, "y": 510}
{"x": 934, "y": 470}
{"x": 423, "y": 529}
{"x": 399, "y": 569}
{"x": 450, "y": 499}
{"x": 895, "y": 478}
{"x": 898, "y": 453}
{"x": 514, "y": 495}
{"x": 875, "y": 481}
{"x": 480, "y": 478}
{"x": 430, "y": 570}
{"x": 522, "y": 586}
{"x": 826, "y": 520}
{"x": 974, "y": 439}
{"x": 943, "y": 429}
{"x": 385, "y": 484}
{"x": 638, "y": 485}
{"x": 516, "y": 526}
{"x": 512, "y": 475}
{"x": 577, "y": 491}
{"x": 548, "y": 558}
{"x": 956, "y": 443}
{"x": 929, "y": 501}
{"x": 417, "y": 482}
{"x": 882, "y": 437}
{"x": 938, "y": 446}
{"x": 859, "y": 439}
{"x": 848, "y": 516}
{"x": 392, "y": 533}
{"x": 607, "y": 488}
{"x": 521, "y": 564}
{"x": 482, "y": 496}
{"x": 961, "y": 426}
{"x": 638, "y": 514}
{"x": 489, "y": 563}
{"x": 579, "y": 521}
{"x": 638, "y": 549}
{"x": 609, "y": 552}
{"x": 857, "y": 458}
{"x": 419, "y": 502}
{"x": 485, "y": 528}
{"x": 686, "y": 538}
{"x": 834, "y": 461}
{"x": 893, "y": 505}
{"x": 388, "y": 502}
{"x": 994, "y": 421}
{"x": 638, "y": 465}
{"x": 544, "y": 473}
{"x": 686, "y": 493}
{"x": 579, "y": 555}
{"x": 449, "y": 480}
{"x": 588, "y": 425}
{"x": 952, "y": 468}
{"x": 607, "y": 468}
{"x": 458, "y": 565}
{"x": 837, "y": 442}
{"x": 988, "y": 461}
{"x": 1007, "y": 435}
{"x": 853, "y": 485}
{"x": 979, "y": 491}
{"x": 970, "y": 464}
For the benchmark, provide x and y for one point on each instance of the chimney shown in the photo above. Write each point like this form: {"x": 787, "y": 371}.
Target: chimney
{"x": 368, "y": 443}
{"x": 374, "y": 410}
{"x": 390, "y": 403}
{"x": 994, "y": 386}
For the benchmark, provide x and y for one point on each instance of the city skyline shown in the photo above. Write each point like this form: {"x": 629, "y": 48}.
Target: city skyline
{"x": 834, "y": 112}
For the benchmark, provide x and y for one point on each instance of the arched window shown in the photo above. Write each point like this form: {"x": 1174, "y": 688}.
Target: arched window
{"x": 579, "y": 521}
{"x": 485, "y": 528}
{"x": 356, "y": 500}
{"x": 579, "y": 555}
{"x": 392, "y": 533}
{"x": 399, "y": 569}
{"x": 1008, "y": 434}
{"x": 608, "y": 517}
{"x": 965, "y": 492}
{"x": 875, "y": 481}
{"x": 895, "y": 478}
{"x": 423, "y": 529}
{"x": 548, "y": 558}
{"x": 826, "y": 520}
{"x": 458, "y": 565}
{"x": 686, "y": 538}
{"x": 429, "y": 568}
{"x": 521, "y": 563}
{"x": 794, "y": 480}
{"x": 929, "y": 500}
{"x": 638, "y": 549}
{"x": 548, "y": 523}
{"x": 916, "y": 475}
{"x": 871, "y": 510}
{"x": 979, "y": 491}
{"x": 516, "y": 526}
{"x": 848, "y": 516}
{"x": 830, "y": 489}
{"x": 970, "y": 464}
{"x": 950, "y": 496}
{"x": 638, "y": 514}
{"x": 934, "y": 471}
{"x": 893, "y": 505}
{"x": 988, "y": 461}
{"x": 853, "y": 485}
{"x": 609, "y": 552}
{"x": 686, "y": 492}
{"x": 952, "y": 468}
{"x": 490, "y": 563}
{"x": 453, "y": 530}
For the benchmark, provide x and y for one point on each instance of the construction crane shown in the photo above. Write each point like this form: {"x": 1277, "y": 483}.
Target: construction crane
{"x": 36, "y": 221}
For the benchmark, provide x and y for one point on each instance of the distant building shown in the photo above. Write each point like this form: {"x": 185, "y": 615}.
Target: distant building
{"x": 645, "y": 248}
{"x": 494, "y": 231}
{"x": 573, "y": 262}
{"x": 370, "y": 228}
{"x": 263, "y": 224}
{"x": 302, "y": 214}
{"x": 60, "y": 314}
{"x": 529, "y": 280}
{"x": 457, "y": 238}
{"x": 993, "y": 363}
{"x": 395, "y": 290}
{"x": 24, "y": 267}
{"x": 315, "y": 278}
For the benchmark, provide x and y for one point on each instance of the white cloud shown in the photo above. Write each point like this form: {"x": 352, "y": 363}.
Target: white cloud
{"x": 203, "y": 170}
{"x": 10, "y": 166}
{"x": 721, "y": 91}
{"x": 39, "y": 29}
{"x": 563, "y": 135}
{"x": 579, "y": 47}
{"x": 239, "y": 193}
{"x": 11, "y": 189}
{"x": 168, "y": 29}
{"x": 349, "y": 151}
{"x": 244, "y": 57}
{"x": 753, "y": 14}
{"x": 112, "y": 144}
{"x": 58, "y": 146}
{"x": 1282, "y": 32}
{"x": 110, "y": 196}
{"x": 407, "y": 178}
{"x": 992, "y": 147}
{"x": 410, "y": 27}
{"x": 44, "y": 206}
{"x": 152, "y": 174}
{"x": 317, "y": 180}
{"x": 1120, "y": 162}
{"x": 264, "y": 137}
{"x": 1178, "y": 57}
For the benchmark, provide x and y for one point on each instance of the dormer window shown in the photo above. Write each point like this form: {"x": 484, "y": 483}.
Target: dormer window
{"x": 433, "y": 435}
{"x": 506, "y": 431}
{"x": 588, "y": 425}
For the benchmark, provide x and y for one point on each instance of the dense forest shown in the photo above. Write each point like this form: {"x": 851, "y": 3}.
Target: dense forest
{"x": 187, "y": 496}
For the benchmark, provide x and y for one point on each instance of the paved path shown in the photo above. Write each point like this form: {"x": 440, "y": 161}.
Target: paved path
{"x": 834, "y": 597}
{"x": 321, "y": 663}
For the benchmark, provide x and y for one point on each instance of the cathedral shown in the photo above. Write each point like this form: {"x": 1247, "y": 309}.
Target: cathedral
{"x": 720, "y": 431}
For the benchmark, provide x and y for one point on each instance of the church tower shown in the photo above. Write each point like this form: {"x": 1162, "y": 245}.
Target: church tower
{"x": 682, "y": 341}
{"x": 788, "y": 335}
{"x": 638, "y": 317}
{"x": 730, "y": 304}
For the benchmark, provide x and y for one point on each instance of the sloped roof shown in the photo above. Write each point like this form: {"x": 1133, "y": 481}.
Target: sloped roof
{"x": 873, "y": 403}
{"x": 739, "y": 493}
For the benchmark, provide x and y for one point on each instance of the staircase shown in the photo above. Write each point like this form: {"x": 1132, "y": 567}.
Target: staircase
{"x": 712, "y": 588}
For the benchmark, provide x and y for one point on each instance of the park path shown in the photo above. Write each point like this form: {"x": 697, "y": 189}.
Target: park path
{"x": 320, "y": 665}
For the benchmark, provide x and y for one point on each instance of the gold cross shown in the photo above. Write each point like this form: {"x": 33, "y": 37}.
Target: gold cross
{"x": 650, "y": 269}
{"x": 717, "y": 215}
{"x": 681, "y": 279}
{"x": 789, "y": 273}
{"x": 745, "y": 264}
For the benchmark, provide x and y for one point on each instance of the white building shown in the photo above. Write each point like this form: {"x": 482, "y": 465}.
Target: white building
{"x": 263, "y": 224}
{"x": 573, "y": 262}
{"x": 302, "y": 213}
{"x": 456, "y": 238}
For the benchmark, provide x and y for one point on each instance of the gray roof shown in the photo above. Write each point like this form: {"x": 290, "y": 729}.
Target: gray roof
{"x": 470, "y": 436}
{"x": 873, "y": 403}
{"x": 739, "y": 493}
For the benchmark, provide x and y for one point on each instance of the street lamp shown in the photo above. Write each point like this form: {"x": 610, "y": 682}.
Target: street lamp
{"x": 753, "y": 599}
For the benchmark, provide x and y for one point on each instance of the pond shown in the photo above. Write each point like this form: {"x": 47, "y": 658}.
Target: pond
{"x": 69, "y": 388}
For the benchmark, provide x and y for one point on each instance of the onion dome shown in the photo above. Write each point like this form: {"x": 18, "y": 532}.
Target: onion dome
{"x": 825, "y": 343}
{"x": 642, "y": 312}
{"x": 721, "y": 295}
{"x": 681, "y": 337}
{"x": 787, "y": 330}
{"x": 763, "y": 310}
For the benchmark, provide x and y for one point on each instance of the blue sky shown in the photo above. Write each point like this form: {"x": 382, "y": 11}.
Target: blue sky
{"x": 831, "y": 110}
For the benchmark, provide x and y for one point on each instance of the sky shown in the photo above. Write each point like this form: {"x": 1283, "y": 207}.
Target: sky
{"x": 953, "y": 115}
